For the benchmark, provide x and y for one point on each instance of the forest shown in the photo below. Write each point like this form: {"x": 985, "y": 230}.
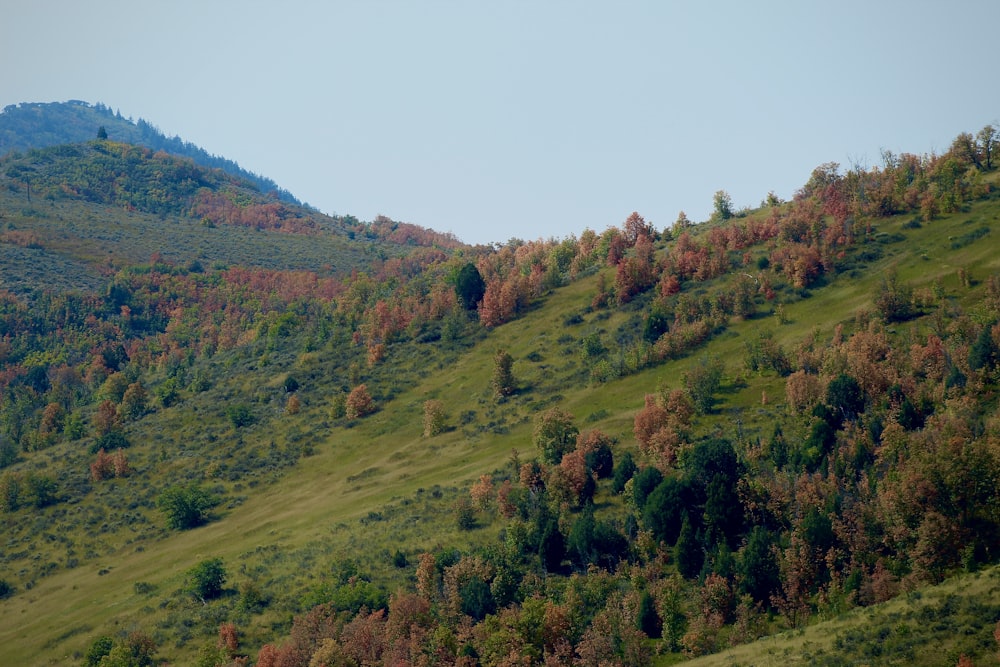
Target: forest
{"x": 635, "y": 446}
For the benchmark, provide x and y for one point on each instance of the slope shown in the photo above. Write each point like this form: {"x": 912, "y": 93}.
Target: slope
{"x": 317, "y": 507}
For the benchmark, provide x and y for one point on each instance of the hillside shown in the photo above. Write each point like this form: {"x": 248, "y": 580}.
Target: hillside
{"x": 629, "y": 447}
{"x": 41, "y": 125}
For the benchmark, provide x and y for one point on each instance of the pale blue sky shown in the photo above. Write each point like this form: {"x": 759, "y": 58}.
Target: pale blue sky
{"x": 522, "y": 119}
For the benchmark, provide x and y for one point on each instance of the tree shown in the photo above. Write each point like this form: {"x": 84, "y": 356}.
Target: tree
{"x": 503, "y": 382}
{"x": 845, "y": 397}
{"x": 688, "y": 553}
{"x": 207, "y": 578}
{"x": 135, "y": 402}
{"x": 106, "y": 419}
{"x": 240, "y": 415}
{"x": 99, "y": 648}
{"x": 434, "y": 418}
{"x": 722, "y": 205}
{"x": 757, "y": 569}
{"x": 136, "y": 650}
{"x": 185, "y": 507}
{"x": 664, "y": 512}
{"x": 53, "y": 418}
{"x": 469, "y": 286}
{"x": 985, "y": 353}
{"x": 555, "y": 434}
{"x": 894, "y": 301}
{"x": 702, "y": 381}
{"x": 647, "y": 619}
{"x": 102, "y": 133}
{"x": 42, "y": 489}
{"x": 623, "y": 472}
{"x": 359, "y": 403}
{"x": 987, "y": 141}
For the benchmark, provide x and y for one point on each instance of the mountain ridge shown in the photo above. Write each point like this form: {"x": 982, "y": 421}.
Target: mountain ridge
{"x": 30, "y": 125}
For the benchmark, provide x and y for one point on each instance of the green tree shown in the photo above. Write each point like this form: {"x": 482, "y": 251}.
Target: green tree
{"x": 987, "y": 141}
{"x": 722, "y": 205}
{"x": 469, "y": 286}
{"x": 894, "y": 301}
{"x": 207, "y": 578}
{"x": 185, "y": 507}
{"x": 688, "y": 553}
{"x": 555, "y": 434}
{"x": 240, "y": 415}
{"x": 845, "y": 397}
{"x": 136, "y": 650}
{"x": 647, "y": 619}
{"x": 102, "y": 133}
{"x": 984, "y": 352}
{"x": 42, "y": 489}
{"x": 552, "y": 546}
{"x": 99, "y": 648}
{"x": 503, "y": 382}
{"x": 702, "y": 381}
{"x": 757, "y": 570}
{"x": 624, "y": 471}
{"x": 664, "y": 510}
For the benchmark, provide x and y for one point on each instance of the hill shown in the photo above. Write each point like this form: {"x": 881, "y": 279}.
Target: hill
{"x": 43, "y": 124}
{"x": 76, "y": 212}
{"x": 628, "y": 447}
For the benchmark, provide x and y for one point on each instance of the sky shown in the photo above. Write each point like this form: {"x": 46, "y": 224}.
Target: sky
{"x": 522, "y": 119}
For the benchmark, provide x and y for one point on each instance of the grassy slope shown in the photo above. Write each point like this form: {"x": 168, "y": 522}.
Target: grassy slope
{"x": 78, "y": 238}
{"x": 312, "y": 514}
{"x": 934, "y": 626}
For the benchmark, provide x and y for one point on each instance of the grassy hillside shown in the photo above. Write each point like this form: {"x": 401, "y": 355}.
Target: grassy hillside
{"x": 315, "y": 507}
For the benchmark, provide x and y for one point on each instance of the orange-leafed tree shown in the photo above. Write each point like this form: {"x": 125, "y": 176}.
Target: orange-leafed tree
{"x": 359, "y": 403}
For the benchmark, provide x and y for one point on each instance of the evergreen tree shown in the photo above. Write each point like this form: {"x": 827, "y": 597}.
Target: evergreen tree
{"x": 688, "y": 553}
{"x": 469, "y": 286}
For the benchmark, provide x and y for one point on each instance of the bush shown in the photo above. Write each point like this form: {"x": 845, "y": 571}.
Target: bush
{"x": 240, "y": 415}
{"x": 185, "y": 507}
{"x": 207, "y": 579}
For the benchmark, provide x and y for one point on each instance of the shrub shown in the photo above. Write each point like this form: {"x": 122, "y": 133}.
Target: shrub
{"x": 358, "y": 403}
{"x": 240, "y": 415}
{"x": 207, "y": 579}
{"x": 185, "y": 507}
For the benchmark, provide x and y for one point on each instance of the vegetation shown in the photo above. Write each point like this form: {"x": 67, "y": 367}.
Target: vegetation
{"x": 717, "y": 432}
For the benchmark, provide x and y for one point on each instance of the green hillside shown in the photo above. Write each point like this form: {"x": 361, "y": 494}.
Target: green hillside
{"x": 807, "y": 392}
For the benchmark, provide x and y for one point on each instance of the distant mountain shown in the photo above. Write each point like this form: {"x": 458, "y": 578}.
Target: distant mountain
{"x": 38, "y": 125}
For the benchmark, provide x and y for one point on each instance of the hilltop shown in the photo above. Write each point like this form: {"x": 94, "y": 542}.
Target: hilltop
{"x": 43, "y": 124}
{"x": 633, "y": 446}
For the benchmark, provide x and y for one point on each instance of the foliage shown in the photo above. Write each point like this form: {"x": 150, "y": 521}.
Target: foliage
{"x": 469, "y": 286}
{"x": 359, "y": 403}
{"x": 702, "y": 381}
{"x": 503, "y": 381}
{"x": 435, "y": 418}
{"x": 555, "y": 434}
{"x": 207, "y": 579}
{"x": 185, "y": 506}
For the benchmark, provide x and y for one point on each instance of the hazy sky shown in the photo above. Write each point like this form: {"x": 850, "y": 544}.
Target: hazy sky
{"x": 516, "y": 118}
